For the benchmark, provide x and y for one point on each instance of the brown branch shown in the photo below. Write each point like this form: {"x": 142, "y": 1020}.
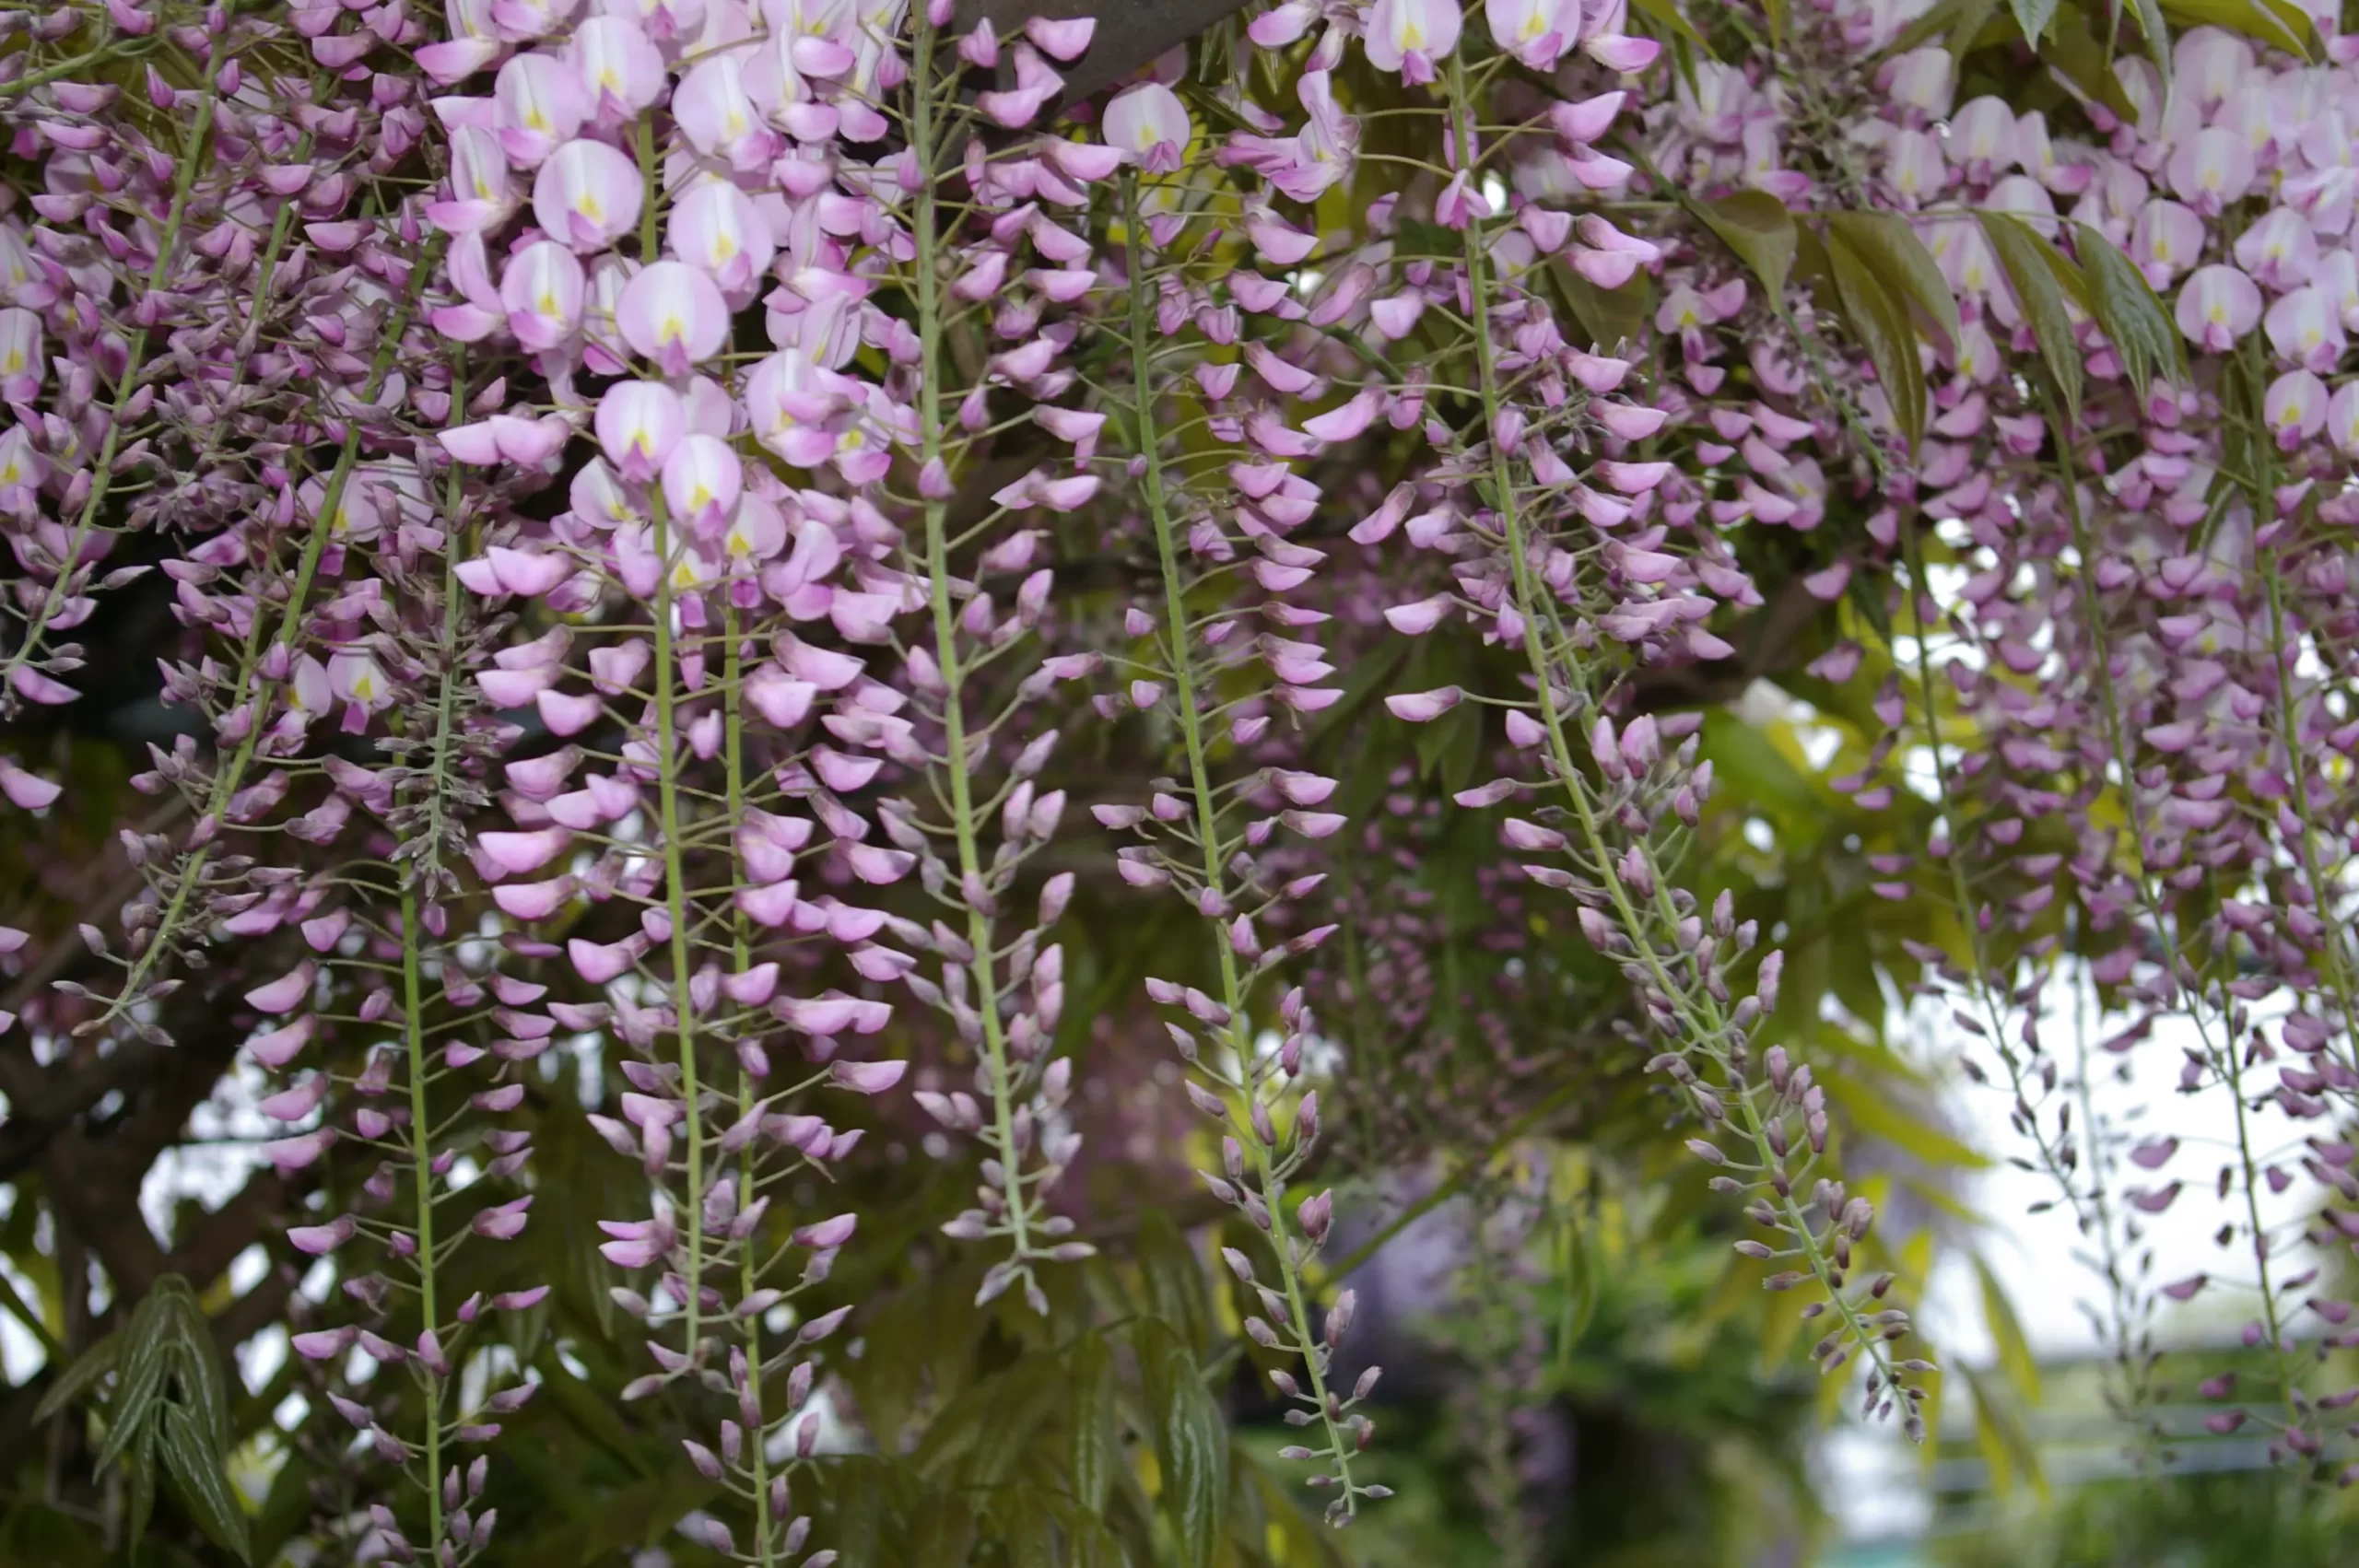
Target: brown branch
{"x": 1130, "y": 33}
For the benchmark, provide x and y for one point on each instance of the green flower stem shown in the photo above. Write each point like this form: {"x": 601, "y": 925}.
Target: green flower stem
{"x": 421, "y": 1156}
{"x": 749, "y": 1272}
{"x": 676, "y": 900}
{"x": 925, "y": 145}
{"x": 1207, "y": 835}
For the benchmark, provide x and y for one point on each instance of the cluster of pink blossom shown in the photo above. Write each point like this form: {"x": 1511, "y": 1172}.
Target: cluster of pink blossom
{"x": 632, "y": 582}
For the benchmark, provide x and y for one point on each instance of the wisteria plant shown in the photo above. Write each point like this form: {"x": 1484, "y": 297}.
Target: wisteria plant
{"x": 973, "y": 693}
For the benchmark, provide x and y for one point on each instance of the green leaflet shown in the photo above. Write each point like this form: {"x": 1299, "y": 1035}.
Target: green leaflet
{"x": 1871, "y": 1113}
{"x": 1957, "y": 23}
{"x": 1668, "y": 14}
{"x": 1191, "y": 1443}
{"x": 1095, "y": 1447}
{"x": 1888, "y": 246}
{"x": 1577, "y": 1266}
{"x": 171, "y": 1402}
{"x": 2016, "y": 1358}
{"x": 944, "y": 1534}
{"x": 1611, "y": 317}
{"x": 2157, "y": 35}
{"x": 1757, "y": 227}
{"x": 1174, "y": 1276}
{"x": 142, "y": 1486}
{"x": 194, "y": 1464}
{"x": 2276, "y": 23}
{"x": 2033, "y": 16}
{"x": 2039, "y": 277}
{"x": 2140, "y": 330}
{"x": 1879, "y": 318}
{"x": 1999, "y": 1431}
{"x": 81, "y": 1377}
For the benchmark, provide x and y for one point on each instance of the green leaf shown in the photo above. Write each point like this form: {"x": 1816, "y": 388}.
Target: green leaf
{"x": 80, "y": 1378}
{"x": 1879, "y": 318}
{"x": 1451, "y": 746}
{"x": 944, "y": 1536}
{"x": 1025, "y": 1396}
{"x": 143, "y": 1485}
{"x": 2032, "y": 266}
{"x": 1610, "y": 316}
{"x": 141, "y": 1385}
{"x": 1865, "y": 1108}
{"x": 2015, "y": 1357}
{"x": 1756, "y": 226}
{"x": 1577, "y": 1267}
{"x": 2157, "y": 34}
{"x": 2135, "y": 322}
{"x": 194, "y": 1465}
{"x": 1025, "y": 1528}
{"x": 2033, "y": 16}
{"x": 1957, "y": 23}
{"x": 1889, "y": 245}
{"x": 2001, "y": 1433}
{"x": 1666, "y": 13}
{"x": 195, "y": 1364}
{"x": 1190, "y": 1443}
{"x": 2087, "y": 64}
{"x": 586, "y": 1412}
{"x": 2276, "y": 23}
{"x": 1095, "y": 1447}
{"x": 1174, "y": 1276}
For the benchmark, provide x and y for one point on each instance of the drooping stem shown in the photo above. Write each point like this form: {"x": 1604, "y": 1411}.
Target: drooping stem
{"x": 126, "y": 387}
{"x": 748, "y": 1273}
{"x": 227, "y": 781}
{"x": 924, "y": 145}
{"x": 421, "y": 1156}
{"x": 676, "y": 909}
{"x": 1192, "y": 726}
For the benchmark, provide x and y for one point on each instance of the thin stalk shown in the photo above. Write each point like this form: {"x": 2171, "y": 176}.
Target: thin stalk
{"x": 1700, "y": 1013}
{"x": 421, "y": 1149}
{"x": 102, "y": 473}
{"x": 675, "y": 899}
{"x": 1233, "y": 988}
{"x": 748, "y": 1273}
{"x": 922, "y": 146}
{"x": 421, "y": 1155}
